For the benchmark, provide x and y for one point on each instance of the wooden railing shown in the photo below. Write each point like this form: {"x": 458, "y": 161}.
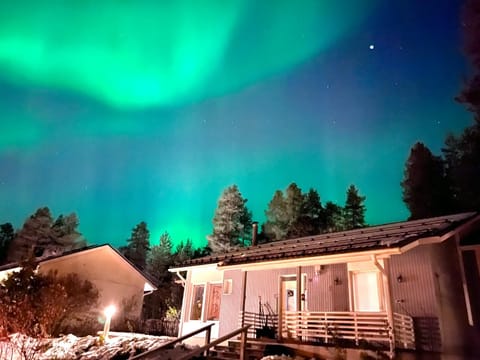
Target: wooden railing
{"x": 404, "y": 331}
{"x": 204, "y": 349}
{"x": 330, "y": 326}
{"x": 258, "y": 323}
{"x": 155, "y": 353}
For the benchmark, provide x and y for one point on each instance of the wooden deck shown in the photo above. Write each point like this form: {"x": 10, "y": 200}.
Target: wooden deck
{"x": 324, "y": 327}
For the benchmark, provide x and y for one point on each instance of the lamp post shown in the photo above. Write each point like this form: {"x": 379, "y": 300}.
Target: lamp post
{"x": 109, "y": 311}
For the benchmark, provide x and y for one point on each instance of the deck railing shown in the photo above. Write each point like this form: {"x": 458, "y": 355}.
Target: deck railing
{"x": 404, "y": 331}
{"x": 331, "y": 326}
{"x": 260, "y": 323}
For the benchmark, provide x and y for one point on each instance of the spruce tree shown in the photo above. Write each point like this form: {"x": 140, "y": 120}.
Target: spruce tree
{"x": 183, "y": 251}
{"x": 425, "y": 187}
{"x": 354, "y": 209}
{"x": 462, "y": 158}
{"x": 310, "y": 220}
{"x": 138, "y": 245}
{"x": 333, "y": 217}
{"x": 231, "y": 223}
{"x": 160, "y": 257}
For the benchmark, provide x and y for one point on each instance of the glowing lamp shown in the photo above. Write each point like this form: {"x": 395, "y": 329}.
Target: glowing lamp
{"x": 108, "y": 311}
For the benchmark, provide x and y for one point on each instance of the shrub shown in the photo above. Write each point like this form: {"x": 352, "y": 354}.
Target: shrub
{"x": 43, "y": 305}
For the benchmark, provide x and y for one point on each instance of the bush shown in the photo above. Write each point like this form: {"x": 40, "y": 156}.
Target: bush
{"x": 40, "y": 305}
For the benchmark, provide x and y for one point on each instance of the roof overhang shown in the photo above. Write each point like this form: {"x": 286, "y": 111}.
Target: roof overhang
{"x": 314, "y": 260}
{"x": 210, "y": 266}
{"x": 460, "y": 230}
{"x": 294, "y": 262}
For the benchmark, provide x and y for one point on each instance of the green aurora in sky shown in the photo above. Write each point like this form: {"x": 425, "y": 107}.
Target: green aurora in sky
{"x": 126, "y": 111}
{"x": 132, "y": 54}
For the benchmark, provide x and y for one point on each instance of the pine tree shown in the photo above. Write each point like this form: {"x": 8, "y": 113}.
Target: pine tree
{"x": 276, "y": 226}
{"x": 354, "y": 210}
{"x": 41, "y": 236}
{"x": 425, "y": 187}
{"x": 66, "y": 233}
{"x": 231, "y": 222}
{"x": 138, "y": 245}
{"x": 35, "y": 235}
{"x": 293, "y": 206}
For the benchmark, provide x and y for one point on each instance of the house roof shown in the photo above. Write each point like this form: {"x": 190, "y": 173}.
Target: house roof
{"x": 147, "y": 278}
{"x": 388, "y": 236}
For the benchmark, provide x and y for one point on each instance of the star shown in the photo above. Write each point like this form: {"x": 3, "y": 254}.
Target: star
{"x": 371, "y": 47}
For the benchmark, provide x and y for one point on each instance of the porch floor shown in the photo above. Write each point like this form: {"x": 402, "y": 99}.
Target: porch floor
{"x": 320, "y": 351}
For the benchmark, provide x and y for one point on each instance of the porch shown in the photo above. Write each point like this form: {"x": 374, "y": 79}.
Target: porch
{"x": 333, "y": 327}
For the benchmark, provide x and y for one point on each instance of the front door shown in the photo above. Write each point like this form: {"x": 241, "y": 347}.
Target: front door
{"x": 289, "y": 294}
{"x": 288, "y": 301}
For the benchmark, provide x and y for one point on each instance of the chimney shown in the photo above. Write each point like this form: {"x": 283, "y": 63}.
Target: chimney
{"x": 254, "y": 233}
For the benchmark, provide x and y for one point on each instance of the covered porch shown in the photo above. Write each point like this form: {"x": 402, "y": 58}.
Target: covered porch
{"x": 333, "y": 327}
{"x": 337, "y": 300}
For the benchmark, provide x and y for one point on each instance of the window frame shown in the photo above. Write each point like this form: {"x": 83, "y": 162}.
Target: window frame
{"x": 365, "y": 267}
{"x": 192, "y": 299}
{"x": 206, "y": 300}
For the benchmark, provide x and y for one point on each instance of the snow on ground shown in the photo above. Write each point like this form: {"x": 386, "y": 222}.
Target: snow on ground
{"x": 20, "y": 347}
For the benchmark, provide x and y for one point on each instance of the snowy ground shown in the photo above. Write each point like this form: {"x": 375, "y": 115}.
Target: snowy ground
{"x": 119, "y": 345}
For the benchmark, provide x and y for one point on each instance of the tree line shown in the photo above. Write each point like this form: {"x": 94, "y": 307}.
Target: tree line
{"x": 291, "y": 213}
{"x": 449, "y": 183}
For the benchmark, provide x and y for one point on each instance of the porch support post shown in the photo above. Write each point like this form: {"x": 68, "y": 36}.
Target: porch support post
{"x": 280, "y": 309}
{"x": 299, "y": 288}
{"x": 385, "y": 271}
{"x": 244, "y": 297}
{"x": 299, "y": 301}
{"x": 468, "y": 306}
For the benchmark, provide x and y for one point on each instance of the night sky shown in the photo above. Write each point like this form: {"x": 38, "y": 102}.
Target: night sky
{"x": 129, "y": 111}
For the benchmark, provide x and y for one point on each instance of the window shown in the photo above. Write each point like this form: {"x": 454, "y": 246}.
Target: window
{"x": 366, "y": 291}
{"x": 197, "y": 302}
{"x": 214, "y": 299}
{"x": 209, "y": 298}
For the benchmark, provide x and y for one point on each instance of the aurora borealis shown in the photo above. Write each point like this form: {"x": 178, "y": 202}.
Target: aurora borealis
{"x": 129, "y": 111}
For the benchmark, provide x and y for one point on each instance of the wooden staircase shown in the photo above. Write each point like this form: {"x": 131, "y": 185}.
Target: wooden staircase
{"x": 231, "y": 351}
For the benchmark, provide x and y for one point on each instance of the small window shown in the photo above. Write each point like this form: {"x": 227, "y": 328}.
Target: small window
{"x": 227, "y": 287}
{"x": 214, "y": 299}
{"x": 197, "y": 302}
